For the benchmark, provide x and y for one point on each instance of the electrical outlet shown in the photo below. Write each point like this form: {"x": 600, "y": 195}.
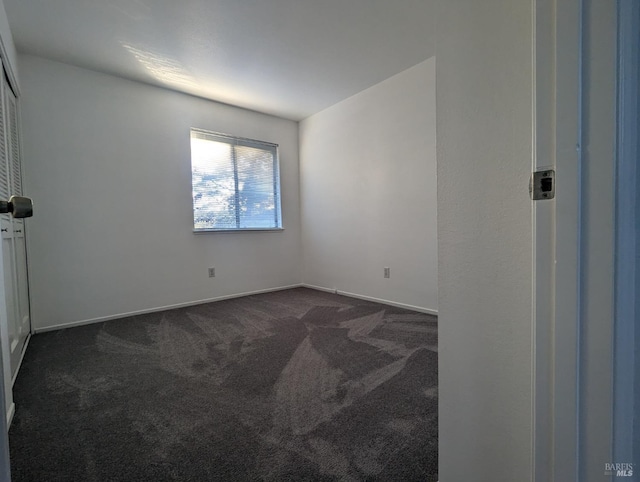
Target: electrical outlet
{"x": 212, "y": 272}
{"x": 387, "y": 272}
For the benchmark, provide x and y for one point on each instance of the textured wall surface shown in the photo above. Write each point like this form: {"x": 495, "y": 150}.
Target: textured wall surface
{"x": 107, "y": 162}
{"x": 484, "y": 84}
{"x": 368, "y": 191}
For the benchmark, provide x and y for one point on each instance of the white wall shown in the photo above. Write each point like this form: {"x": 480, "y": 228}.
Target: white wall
{"x": 107, "y": 162}
{"x": 368, "y": 191}
{"x": 484, "y": 105}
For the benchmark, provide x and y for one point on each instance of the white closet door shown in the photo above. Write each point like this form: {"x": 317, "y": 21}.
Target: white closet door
{"x": 13, "y": 240}
{"x": 6, "y": 229}
{"x": 18, "y": 224}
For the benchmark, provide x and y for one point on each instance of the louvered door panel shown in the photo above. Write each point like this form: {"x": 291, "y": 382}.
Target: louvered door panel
{"x": 16, "y": 176}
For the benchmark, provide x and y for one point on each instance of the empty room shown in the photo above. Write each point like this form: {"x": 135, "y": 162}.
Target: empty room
{"x": 232, "y": 258}
{"x": 297, "y": 240}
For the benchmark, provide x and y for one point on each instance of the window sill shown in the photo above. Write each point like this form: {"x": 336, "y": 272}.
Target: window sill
{"x": 235, "y": 230}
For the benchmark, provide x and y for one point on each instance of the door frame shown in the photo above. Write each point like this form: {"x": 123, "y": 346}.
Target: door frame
{"x": 574, "y": 130}
{"x": 627, "y": 278}
{"x": 557, "y": 140}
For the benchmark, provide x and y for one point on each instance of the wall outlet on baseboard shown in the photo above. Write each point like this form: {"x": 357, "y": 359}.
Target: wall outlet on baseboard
{"x": 212, "y": 272}
{"x": 387, "y": 272}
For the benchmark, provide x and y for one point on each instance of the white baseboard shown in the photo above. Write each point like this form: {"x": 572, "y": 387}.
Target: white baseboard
{"x": 161, "y": 308}
{"x": 60, "y": 326}
{"x": 24, "y": 350}
{"x": 420, "y": 309}
{"x": 11, "y": 411}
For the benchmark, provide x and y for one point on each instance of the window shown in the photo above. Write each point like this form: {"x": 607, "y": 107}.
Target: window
{"x": 236, "y": 183}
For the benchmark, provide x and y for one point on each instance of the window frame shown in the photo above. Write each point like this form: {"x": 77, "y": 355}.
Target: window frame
{"x": 247, "y": 142}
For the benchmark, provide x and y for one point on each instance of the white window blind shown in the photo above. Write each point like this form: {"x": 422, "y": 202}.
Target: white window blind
{"x": 235, "y": 181}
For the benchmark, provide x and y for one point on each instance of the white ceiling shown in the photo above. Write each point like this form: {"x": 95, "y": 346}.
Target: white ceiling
{"x": 290, "y": 58}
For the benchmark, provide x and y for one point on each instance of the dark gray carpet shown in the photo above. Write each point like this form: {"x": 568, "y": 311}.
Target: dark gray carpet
{"x": 288, "y": 386}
